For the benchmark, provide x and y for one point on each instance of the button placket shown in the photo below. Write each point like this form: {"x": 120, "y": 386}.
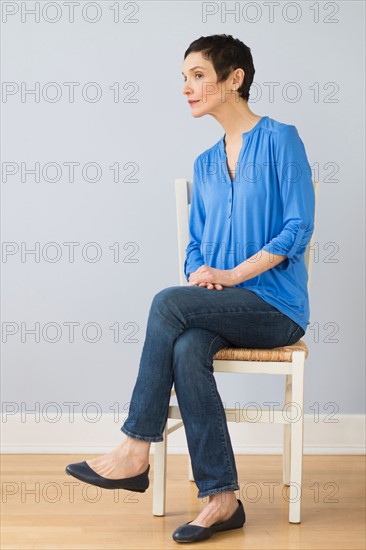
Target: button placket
{"x": 231, "y": 199}
{"x": 231, "y": 183}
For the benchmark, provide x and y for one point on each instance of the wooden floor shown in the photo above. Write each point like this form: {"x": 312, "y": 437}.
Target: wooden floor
{"x": 43, "y": 508}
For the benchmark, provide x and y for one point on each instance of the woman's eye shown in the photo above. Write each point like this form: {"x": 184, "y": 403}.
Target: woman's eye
{"x": 197, "y": 74}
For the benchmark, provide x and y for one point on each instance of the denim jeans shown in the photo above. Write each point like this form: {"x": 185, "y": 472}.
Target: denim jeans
{"x": 186, "y": 326}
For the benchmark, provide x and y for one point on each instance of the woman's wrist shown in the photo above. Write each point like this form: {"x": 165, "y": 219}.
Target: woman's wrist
{"x": 237, "y": 277}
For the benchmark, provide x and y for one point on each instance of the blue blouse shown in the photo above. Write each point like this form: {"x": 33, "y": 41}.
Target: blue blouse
{"x": 268, "y": 206}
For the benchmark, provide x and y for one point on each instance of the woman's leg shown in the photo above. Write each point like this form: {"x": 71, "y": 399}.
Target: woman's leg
{"x": 205, "y": 423}
{"x": 202, "y": 411}
{"x": 234, "y": 313}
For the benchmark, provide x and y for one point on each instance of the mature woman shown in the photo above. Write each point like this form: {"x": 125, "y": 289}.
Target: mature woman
{"x": 252, "y": 215}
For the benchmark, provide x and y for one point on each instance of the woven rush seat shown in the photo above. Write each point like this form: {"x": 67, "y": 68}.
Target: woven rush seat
{"x": 283, "y": 353}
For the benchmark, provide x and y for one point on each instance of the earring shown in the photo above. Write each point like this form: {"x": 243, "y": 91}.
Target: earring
{"x": 234, "y": 88}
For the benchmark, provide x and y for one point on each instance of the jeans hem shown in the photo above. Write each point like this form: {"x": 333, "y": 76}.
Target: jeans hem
{"x": 232, "y": 487}
{"x": 151, "y": 439}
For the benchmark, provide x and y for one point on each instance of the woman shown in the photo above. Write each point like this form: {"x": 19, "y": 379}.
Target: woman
{"x": 252, "y": 215}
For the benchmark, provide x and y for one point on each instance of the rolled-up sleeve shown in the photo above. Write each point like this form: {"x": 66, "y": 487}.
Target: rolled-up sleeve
{"x": 197, "y": 218}
{"x": 297, "y": 195}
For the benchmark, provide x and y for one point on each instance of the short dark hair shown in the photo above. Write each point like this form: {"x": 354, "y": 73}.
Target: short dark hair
{"x": 226, "y": 54}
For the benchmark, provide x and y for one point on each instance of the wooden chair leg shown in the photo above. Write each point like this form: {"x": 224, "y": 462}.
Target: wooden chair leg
{"x": 297, "y": 432}
{"x": 190, "y": 471}
{"x": 160, "y": 464}
{"x": 286, "y": 456}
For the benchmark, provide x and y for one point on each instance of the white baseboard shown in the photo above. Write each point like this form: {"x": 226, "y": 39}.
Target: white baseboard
{"x": 43, "y": 435}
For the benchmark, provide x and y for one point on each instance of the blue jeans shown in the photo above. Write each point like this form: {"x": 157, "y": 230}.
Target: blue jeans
{"x": 186, "y": 326}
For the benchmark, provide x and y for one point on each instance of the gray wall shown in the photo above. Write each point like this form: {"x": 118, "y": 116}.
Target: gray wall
{"x": 151, "y": 135}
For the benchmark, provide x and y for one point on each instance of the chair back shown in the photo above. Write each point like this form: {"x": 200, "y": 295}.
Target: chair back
{"x": 183, "y": 195}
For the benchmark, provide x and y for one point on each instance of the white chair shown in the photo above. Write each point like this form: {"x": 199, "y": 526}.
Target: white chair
{"x": 288, "y": 360}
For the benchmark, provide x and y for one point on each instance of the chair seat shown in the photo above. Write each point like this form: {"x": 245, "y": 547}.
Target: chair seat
{"x": 283, "y": 353}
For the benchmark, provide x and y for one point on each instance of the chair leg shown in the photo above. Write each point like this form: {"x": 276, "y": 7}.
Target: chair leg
{"x": 286, "y": 457}
{"x": 160, "y": 463}
{"x": 190, "y": 471}
{"x": 297, "y": 431}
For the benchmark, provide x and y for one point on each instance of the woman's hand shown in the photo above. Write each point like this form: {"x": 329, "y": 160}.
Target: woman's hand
{"x": 212, "y": 278}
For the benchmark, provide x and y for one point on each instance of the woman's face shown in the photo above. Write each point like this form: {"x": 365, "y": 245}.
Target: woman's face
{"x": 200, "y": 86}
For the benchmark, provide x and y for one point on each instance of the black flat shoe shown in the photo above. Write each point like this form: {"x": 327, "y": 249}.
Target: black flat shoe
{"x": 195, "y": 533}
{"x": 82, "y": 471}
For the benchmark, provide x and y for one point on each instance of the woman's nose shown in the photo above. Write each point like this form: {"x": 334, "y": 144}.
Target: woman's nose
{"x": 186, "y": 88}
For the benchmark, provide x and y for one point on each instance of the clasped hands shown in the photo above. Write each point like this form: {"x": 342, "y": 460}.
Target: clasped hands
{"x": 213, "y": 278}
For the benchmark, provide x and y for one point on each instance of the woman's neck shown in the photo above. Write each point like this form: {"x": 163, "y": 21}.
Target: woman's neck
{"x": 236, "y": 119}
